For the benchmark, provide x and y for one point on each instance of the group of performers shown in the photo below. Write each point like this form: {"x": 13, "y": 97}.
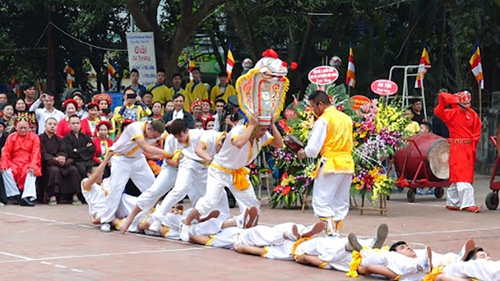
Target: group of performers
{"x": 200, "y": 164}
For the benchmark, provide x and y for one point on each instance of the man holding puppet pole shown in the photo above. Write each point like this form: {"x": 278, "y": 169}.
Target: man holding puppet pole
{"x": 331, "y": 137}
{"x": 261, "y": 93}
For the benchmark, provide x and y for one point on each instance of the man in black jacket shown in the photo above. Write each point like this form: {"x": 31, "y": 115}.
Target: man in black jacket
{"x": 178, "y": 112}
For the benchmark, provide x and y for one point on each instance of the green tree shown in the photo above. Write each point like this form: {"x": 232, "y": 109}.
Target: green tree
{"x": 178, "y": 24}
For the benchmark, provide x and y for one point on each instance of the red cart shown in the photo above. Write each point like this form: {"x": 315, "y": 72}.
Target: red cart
{"x": 492, "y": 197}
{"x": 424, "y": 162}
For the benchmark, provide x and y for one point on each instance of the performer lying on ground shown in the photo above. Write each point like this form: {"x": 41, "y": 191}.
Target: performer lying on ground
{"x": 477, "y": 265}
{"x": 402, "y": 262}
{"x": 95, "y": 189}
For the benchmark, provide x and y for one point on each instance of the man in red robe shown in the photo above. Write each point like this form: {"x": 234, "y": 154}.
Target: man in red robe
{"x": 465, "y": 130}
{"x": 21, "y": 163}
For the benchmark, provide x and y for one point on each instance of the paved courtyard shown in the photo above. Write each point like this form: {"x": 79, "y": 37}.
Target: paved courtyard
{"x": 59, "y": 243}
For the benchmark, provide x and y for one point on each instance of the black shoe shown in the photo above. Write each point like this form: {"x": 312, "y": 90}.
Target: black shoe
{"x": 27, "y": 202}
{"x": 16, "y": 200}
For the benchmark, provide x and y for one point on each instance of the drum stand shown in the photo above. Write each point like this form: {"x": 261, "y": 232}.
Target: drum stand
{"x": 415, "y": 183}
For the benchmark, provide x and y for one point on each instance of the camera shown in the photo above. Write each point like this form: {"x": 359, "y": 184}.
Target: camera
{"x": 227, "y": 110}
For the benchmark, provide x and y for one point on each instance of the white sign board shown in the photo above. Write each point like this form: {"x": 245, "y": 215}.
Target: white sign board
{"x": 141, "y": 56}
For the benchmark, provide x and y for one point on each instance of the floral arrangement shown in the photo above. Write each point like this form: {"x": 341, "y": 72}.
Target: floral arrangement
{"x": 378, "y": 132}
{"x": 297, "y": 176}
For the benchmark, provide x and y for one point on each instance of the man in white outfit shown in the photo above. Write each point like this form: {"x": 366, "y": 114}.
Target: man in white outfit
{"x": 190, "y": 179}
{"x": 95, "y": 189}
{"x": 477, "y": 264}
{"x": 129, "y": 162}
{"x": 228, "y": 167}
{"x": 332, "y": 138}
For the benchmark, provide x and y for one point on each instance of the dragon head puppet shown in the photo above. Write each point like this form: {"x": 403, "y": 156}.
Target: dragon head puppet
{"x": 262, "y": 90}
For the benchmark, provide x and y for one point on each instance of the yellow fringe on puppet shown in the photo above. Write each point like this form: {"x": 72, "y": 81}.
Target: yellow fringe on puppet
{"x": 354, "y": 264}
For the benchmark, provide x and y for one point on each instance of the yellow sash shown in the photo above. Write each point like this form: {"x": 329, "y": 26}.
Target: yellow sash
{"x": 239, "y": 176}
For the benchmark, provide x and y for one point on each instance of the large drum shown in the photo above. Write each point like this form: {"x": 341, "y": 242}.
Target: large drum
{"x": 432, "y": 150}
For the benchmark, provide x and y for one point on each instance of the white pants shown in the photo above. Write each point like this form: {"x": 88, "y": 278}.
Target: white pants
{"x": 209, "y": 227}
{"x": 480, "y": 269}
{"x": 460, "y": 194}
{"x": 191, "y": 181}
{"x": 162, "y": 184}
{"x": 127, "y": 203}
{"x": 216, "y": 182}
{"x": 260, "y": 236}
{"x": 122, "y": 169}
{"x": 11, "y": 188}
{"x": 331, "y": 195}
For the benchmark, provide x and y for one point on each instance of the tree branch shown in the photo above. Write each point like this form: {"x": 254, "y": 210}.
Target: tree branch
{"x": 140, "y": 17}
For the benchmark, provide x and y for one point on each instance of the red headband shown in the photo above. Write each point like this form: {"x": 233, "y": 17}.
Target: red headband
{"x": 68, "y": 101}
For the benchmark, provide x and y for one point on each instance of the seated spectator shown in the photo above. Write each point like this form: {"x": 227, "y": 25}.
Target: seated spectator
{"x": 46, "y": 112}
{"x": 198, "y": 124}
{"x": 425, "y": 127}
{"x": 105, "y": 101}
{"x": 89, "y": 124}
{"x": 20, "y": 106}
{"x": 209, "y": 124}
{"x": 196, "y": 107}
{"x": 3, "y": 138}
{"x": 79, "y": 146}
{"x": 147, "y": 98}
{"x": 3, "y": 99}
{"x": 8, "y": 118}
{"x": 178, "y": 112}
{"x": 102, "y": 143}
{"x": 20, "y": 162}
{"x": 130, "y": 110}
{"x": 169, "y": 106}
{"x": 205, "y": 110}
{"x": 413, "y": 128}
{"x": 59, "y": 176}
{"x": 77, "y": 95}
{"x": 156, "y": 110}
{"x": 63, "y": 128}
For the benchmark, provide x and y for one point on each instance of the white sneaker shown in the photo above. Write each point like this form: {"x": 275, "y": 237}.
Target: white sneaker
{"x": 292, "y": 233}
{"x": 184, "y": 232}
{"x": 105, "y": 227}
{"x": 241, "y": 219}
{"x": 425, "y": 263}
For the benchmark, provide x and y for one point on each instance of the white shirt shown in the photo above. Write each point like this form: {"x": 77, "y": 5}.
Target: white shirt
{"x": 316, "y": 139}
{"x": 177, "y": 114}
{"x": 42, "y": 114}
{"x": 194, "y": 137}
{"x": 232, "y": 157}
{"x": 96, "y": 196}
{"x": 171, "y": 145}
{"x": 126, "y": 142}
{"x": 210, "y": 139}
